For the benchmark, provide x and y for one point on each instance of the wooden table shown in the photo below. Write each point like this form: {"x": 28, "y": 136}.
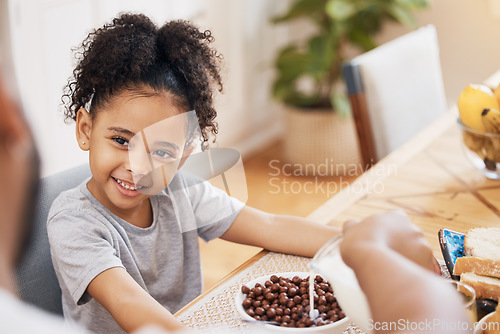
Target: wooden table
{"x": 429, "y": 178}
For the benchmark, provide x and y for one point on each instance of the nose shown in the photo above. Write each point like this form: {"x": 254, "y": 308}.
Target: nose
{"x": 139, "y": 161}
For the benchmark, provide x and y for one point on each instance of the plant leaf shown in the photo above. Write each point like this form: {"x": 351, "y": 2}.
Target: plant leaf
{"x": 302, "y": 100}
{"x": 301, "y": 8}
{"x": 362, "y": 39}
{"x": 341, "y": 23}
{"x": 291, "y": 96}
{"x": 369, "y": 19}
{"x": 281, "y": 89}
{"x": 402, "y": 15}
{"x": 321, "y": 51}
{"x": 291, "y": 63}
{"x": 340, "y": 10}
{"x": 413, "y": 4}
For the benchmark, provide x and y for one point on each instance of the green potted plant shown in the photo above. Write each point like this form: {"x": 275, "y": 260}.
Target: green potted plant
{"x": 309, "y": 74}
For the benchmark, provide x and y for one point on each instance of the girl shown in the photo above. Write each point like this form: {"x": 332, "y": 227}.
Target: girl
{"x": 126, "y": 257}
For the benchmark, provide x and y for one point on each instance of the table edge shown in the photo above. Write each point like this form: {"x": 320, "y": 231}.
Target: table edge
{"x": 225, "y": 279}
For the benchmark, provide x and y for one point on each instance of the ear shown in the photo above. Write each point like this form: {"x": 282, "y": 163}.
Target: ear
{"x": 83, "y": 128}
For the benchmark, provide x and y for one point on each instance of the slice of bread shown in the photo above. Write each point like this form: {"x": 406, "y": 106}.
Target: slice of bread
{"x": 485, "y": 287}
{"x": 476, "y": 265}
{"x": 483, "y": 242}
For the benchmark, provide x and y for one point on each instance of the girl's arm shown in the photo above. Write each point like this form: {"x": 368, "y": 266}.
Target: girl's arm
{"x": 279, "y": 233}
{"x": 128, "y": 303}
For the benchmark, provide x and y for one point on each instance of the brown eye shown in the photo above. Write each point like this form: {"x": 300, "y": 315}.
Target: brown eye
{"x": 120, "y": 140}
{"x": 163, "y": 155}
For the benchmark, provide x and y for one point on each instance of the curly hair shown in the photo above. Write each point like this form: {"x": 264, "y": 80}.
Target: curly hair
{"x": 131, "y": 52}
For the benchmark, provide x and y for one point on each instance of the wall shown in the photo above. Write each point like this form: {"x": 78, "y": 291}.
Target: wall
{"x": 469, "y": 40}
{"x": 44, "y": 32}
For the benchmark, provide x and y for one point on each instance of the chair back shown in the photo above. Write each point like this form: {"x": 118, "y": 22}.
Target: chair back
{"x": 35, "y": 276}
{"x": 395, "y": 90}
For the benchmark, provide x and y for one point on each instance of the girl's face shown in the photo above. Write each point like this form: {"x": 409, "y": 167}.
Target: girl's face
{"x": 130, "y": 136}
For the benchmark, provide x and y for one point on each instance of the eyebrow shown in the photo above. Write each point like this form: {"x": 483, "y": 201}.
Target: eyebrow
{"x": 122, "y": 131}
{"x": 167, "y": 144}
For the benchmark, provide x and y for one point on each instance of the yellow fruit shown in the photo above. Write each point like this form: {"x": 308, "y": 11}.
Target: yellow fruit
{"x": 472, "y": 101}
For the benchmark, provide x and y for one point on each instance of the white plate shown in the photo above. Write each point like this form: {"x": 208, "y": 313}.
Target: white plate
{"x": 337, "y": 327}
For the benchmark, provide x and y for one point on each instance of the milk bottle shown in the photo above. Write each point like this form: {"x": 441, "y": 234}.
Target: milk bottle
{"x": 328, "y": 263}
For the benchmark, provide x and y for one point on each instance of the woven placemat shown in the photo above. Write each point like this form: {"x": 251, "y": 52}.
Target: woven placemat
{"x": 216, "y": 312}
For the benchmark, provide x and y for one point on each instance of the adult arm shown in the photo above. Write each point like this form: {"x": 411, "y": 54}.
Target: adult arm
{"x": 394, "y": 266}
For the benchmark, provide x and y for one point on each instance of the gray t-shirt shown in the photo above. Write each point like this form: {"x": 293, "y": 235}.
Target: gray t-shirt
{"x": 87, "y": 239}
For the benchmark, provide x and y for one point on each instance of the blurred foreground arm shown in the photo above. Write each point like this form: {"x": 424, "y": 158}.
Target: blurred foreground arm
{"x": 393, "y": 264}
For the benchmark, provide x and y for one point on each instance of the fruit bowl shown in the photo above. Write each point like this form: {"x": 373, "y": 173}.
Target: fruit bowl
{"x": 483, "y": 150}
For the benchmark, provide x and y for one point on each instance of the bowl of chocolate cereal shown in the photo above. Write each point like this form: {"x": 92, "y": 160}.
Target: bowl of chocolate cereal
{"x": 281, "y": 303}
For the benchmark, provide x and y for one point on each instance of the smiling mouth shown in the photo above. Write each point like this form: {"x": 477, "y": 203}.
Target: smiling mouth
{"x": 126, "y": 186}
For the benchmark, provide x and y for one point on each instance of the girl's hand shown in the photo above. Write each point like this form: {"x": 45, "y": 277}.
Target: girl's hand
{"x": 391, "y": 231}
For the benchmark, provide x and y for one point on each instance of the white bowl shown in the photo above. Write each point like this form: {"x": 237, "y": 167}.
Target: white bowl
{"x": 338, "y": 327}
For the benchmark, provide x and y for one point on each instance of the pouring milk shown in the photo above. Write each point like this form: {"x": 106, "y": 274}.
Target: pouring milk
{"x": 328, "y": 263}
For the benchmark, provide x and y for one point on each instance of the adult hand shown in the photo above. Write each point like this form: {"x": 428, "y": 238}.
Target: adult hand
{"x": 391, "y": 231}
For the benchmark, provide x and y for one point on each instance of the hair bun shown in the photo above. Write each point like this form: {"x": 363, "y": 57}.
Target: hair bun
{"x": 178, "y": 40}
{"x": 137, "y": 21}
{"x": 187, "y": 51}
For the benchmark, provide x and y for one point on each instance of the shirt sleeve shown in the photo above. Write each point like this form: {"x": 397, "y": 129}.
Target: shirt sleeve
{"x": 81, "y": 248}
{"x": 213, "y": 208}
